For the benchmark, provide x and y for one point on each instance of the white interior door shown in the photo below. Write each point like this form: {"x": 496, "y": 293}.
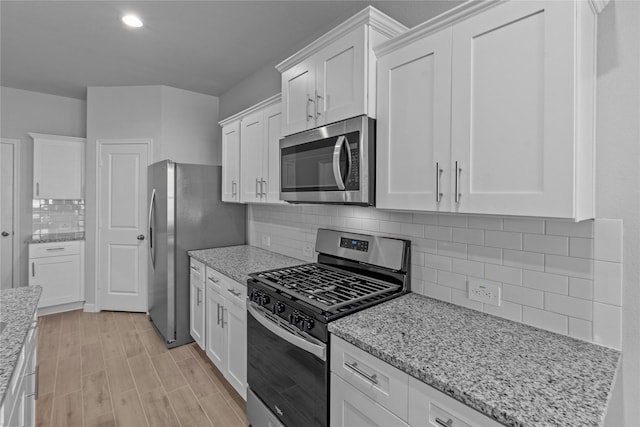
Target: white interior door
{"x": 122, "y": 236}
{"x": 8, "y": 214}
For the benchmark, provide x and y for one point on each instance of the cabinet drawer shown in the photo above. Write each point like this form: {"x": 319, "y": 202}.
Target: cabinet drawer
{"x": 378, "y": 380}
{"x": 40, "y": 250}
{"x": 196, "y": 269}
{"x": 230, "y": 289}
{"x": 429, "y": 407}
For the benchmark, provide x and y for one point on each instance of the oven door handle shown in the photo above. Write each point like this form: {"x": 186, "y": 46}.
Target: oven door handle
{"x": 320, "y": 351}
{"x": 337, "y": 173}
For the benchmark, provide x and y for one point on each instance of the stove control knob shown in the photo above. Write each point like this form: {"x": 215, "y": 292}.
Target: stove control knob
{"x": 295, "y": 318}
{"x": 279, "y": 307}
{"x": 309, "y": 324}
{"x": 263, "y": 300}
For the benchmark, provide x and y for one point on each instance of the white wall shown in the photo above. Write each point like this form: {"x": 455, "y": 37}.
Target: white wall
{"x": 22, "y": 112}
{"x": 183, "y": 126}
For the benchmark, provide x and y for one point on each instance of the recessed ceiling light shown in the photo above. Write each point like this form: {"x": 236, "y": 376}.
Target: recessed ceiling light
{"x": 132, "y": 21}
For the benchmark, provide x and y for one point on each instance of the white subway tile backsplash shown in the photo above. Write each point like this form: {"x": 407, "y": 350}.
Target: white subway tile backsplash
{"x": 569, "y": 266}
{"x": 438, "y": 262}
{"x": 438, "y": 233}
{"x": 545, "y": 268}
{"x": 503, "y": 239}
{"x": 557, "y": 245}
{"x": 607, "y": 282}
{"x": 469, "y": 268}
{"x": 506, "y": 309}
{"x": 608, "y": 240}
{"x": 527, "y": 260}
{"x": 524, "y": 296}
{"x": 484, "y": 254}
{"x": 581, "y": 288}
{"x": 503, "y": 274}
{"x": 453, "y": 280}
{"x": 545, "y": 320}
{"x": 452, "y": 220}
{"x": 523, "y": 225}
{"x": 580, "y": 247}
{"x": 574, "y": 307}
{"x": 434, "y": 290}
{"x": 607, "y": 325}
{"x": 546, "y": 282}
{"x": 569, "y": 228}
{"x": 454, "y": 250}
{"x": 460, "y": 298}
{"x": 580, "y": 329}
{"x": 468, "y": 235}
{"x": 485, "y": 222}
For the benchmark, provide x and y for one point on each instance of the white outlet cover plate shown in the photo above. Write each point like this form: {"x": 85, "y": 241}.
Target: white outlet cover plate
{"x": 307, "y": 251}
{"x": 266, "y": 240}
{"x": 485, "y": 292}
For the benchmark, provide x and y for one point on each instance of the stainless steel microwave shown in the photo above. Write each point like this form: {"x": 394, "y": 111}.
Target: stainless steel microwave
{"x": 330, "y": 164}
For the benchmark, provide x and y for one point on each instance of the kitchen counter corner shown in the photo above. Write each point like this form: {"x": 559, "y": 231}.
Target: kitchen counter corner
{"x": 237, "y": 262}
{"x": 17, "y": 307}
{"x": 514, "y": 373}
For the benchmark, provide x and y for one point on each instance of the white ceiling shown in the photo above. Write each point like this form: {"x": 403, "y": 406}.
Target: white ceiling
{"x": 61, "y": 47}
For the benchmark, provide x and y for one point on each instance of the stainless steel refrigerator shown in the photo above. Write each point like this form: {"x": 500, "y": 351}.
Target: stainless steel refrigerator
{"x": 185, "y": 213}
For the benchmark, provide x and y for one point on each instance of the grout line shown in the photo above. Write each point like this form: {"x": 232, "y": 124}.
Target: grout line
{"x": 135, "y": 383}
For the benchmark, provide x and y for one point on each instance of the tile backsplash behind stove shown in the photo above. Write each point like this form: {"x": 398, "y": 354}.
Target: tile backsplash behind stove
{"x": 557, "y": 275}
{"x": 57, "y": 216}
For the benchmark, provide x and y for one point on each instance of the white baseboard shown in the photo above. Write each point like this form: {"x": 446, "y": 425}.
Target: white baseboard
{"x": 90, "y": 308}
{"x": 43, "y": 311}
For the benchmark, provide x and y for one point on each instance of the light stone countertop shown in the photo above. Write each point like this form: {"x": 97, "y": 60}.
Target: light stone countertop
{"x": 58, "y": 237}
{"x": 514, "y": 373}
{"x": 237, "y": 262}
{"x": 17, "y": 306}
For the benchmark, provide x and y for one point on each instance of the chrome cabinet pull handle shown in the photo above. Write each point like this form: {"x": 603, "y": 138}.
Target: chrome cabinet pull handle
{"x": 33, "y": 269}
{"x": 198, "y": 297}
{"x": 448, "y": 423}
{"x": 195, "y": 268}
{"x": 55, "y": 249}
{"x": 265, "y": 189}
{"x": 318, "y": 98}
{"x": 458, "y": 171}
{"x": 234, "y": 292}
{"x": 234, "y": 190}
{"x": 218, "y": 316}
{"x": 257, "y": 191}
{"x": 438, "y": 173}
{"x": 37, "y": 188}
{"x": 213, "y": 279}
{"x": 354, "y": 366}
{"x": 309, "y": 116}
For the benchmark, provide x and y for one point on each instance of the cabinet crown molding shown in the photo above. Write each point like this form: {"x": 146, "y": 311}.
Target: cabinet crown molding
{"x": 56, "y": 137}
{"x": 368, "y": 16}
{"x": 254, "y": 108}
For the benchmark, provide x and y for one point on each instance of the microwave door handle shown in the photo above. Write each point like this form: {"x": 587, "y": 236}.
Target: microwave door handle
{"x": 337, "y": 174}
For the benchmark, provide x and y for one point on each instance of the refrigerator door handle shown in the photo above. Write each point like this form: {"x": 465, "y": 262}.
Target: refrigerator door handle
{"x": 151, "y": 210}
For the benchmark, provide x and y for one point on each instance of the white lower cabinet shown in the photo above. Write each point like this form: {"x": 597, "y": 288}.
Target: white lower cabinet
{"x": 226, "y": 328}
{"x": 19, "y": 406}
{"x": 367, "y": 392}
{"x": 58, "y": 269}
{"x": 196, "y": 302}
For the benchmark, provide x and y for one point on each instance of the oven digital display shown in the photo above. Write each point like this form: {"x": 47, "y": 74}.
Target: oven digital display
{"x": 356, "y": 245}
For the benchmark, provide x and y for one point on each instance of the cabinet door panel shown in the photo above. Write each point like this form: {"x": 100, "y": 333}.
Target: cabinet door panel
{"x": 215, "y": 333}
{"x": 298, "y": 86}
{"x": 271, "y": 161}
{"x": 351, "y": 408}
{"x": 231, "y": 162}
{"x": 236, "y": 332}
{"x": 251, "y": 148}
{"x": 512, "y": 128}
{"x": 196, "y": 311}
{"x": 59, "y": 277}
{"x": 58, "y": 169}
{"x": 413, "y": 133}
{"x": 341, "y": 83}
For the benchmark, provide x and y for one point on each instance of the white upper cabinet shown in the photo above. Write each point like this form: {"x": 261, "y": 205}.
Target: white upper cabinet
{"x": 255, "y": 163}
{"x": 414, "y": 133}
{"x": 58, "y": 166}
{"x": 521, "y": 78}
{"x": 333, "y": 78}
{"x": 231, "y": 162}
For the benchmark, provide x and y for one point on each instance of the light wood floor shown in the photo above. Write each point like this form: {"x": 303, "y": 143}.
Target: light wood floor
{"x": 111, "y": 369}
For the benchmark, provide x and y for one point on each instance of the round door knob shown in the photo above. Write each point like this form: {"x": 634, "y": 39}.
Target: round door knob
{"x": 5, "y": 234}
{"x": 141, "y": 237}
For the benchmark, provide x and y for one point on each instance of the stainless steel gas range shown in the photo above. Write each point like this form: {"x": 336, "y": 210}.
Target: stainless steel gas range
{"x": 288, "y": 313}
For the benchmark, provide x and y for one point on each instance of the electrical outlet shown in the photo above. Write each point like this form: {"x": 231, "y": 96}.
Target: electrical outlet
{"x": 484, "y": 292}
{"x": 266, "y": 240}
{"x": 308, "y": 251}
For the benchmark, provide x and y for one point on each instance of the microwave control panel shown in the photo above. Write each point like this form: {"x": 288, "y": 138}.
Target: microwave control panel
{"x": 353, "y": 183}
